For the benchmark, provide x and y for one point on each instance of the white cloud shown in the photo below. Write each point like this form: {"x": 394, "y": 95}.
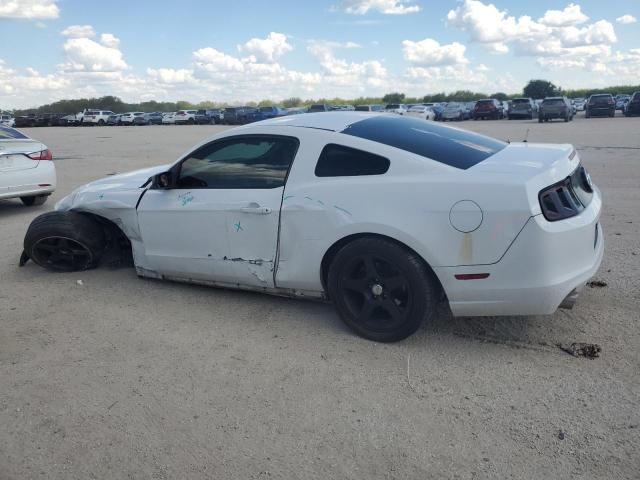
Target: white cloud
{"x": 170, "y": 75}
{"x": 267, "y": 49}
{"x": 429, "y": 52}
{"x": 555, "y": 34}
{"x": 83, "y": 54}
{"x": 389, "y": 7}
{"x": 626, "y": 19}
{"x": 212, "y": 60}
{"x": 571, "y": 15}
{"x": 109, "y": 40}
{"x": 78, "y": 31}
{"x": 29, "y": 9}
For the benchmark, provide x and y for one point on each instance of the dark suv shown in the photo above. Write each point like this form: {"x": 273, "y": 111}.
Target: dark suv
{"x": 238, "y": 115}
{"x": 633, "y": 106}
{"x": 522, "y": 108}
{"x": 600, "y": 104}
{"x": 210, "y": 115}
{"x": 555, "y": 107}
{"x": 488, "y": 108}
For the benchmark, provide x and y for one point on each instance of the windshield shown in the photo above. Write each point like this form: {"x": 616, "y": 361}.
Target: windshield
{"x": 453, "y": 106}
{"x": 393, "y": 106}
{"x": 553, "y": 101}
{"x": 521, "y": 100}
{"x": 451, "y": 146}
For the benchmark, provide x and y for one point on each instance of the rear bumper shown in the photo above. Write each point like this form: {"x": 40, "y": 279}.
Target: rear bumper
{"x": 600, "y": 110}
{"x": 543, "y": 266}
{"x": 559, "y": 114}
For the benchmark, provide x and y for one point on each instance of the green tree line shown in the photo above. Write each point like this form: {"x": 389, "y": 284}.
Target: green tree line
{"x": 534, "y": 89}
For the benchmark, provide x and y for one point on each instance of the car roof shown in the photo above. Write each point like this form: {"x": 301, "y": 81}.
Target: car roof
{"x": 335, "y": 121}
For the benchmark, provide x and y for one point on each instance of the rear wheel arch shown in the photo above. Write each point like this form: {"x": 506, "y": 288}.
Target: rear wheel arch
{"x": 333, "y": 250}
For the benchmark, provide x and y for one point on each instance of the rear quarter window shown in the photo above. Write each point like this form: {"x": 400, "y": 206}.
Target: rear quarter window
{"x": 452, "y": 146}
{"x": 8, "y": 133}
{"x": 340, "y": 161}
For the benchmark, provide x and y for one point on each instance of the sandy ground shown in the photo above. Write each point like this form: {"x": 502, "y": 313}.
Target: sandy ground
{"x": 120, "y": 377}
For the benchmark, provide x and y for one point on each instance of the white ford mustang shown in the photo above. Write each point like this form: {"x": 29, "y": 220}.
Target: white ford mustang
{"x": 382, "y": 214}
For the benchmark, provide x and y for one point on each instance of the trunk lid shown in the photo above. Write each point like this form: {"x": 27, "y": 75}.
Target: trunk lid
{"x": 13, "y": 154}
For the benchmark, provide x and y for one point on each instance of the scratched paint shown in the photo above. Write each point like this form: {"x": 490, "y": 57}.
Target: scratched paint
{"x": 466, "y": 249}
{"x": 343, "y": 210}
{"x": 101, "y": 196}
{"x": 287, "y": 197}
{"x": 185, "y": 198}
{"x": 238, "y": 227}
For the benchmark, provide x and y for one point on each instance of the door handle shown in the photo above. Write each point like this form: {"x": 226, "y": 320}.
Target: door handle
{"x": 256, "y": 209}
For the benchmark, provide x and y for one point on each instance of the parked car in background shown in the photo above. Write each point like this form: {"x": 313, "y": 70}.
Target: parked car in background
{"x": 349, "y": 183}
{"x": 488, "y": 108}
{"x": 96, "y": 117}
{"x": 369, "y": 108}
{"x": 399, "y": 108}
{"x": 420, "y": 111}
{"x": 114, "y": 119}
{"x": 153, "y": 118}
{"x": 621, "y": 101}
{"x": 24, "y": 121}
{"x": 342, "y": 108}
{"x": 319, "y": 108}
{"x": 128, "y": 118}
{"x": 206, "y": 116}
{"x": 633, "y": 106}
{"x": 184, "y": 117}
{"x": 438, "y": 109}
{"x": 579, "y": 103}
{"x": 239, "y": 115}
{"x": 601, "y": 104}
{"x": 265, "y": 113}
{"x": 522, "y": 108}
{"x": 294, "y": 111}
{"x": 555, "y": 107}
{"x": 455, "y": 111}
{"x": 7, "y": 120}
{"x": 169, "y": 118}
{"x": 26, "y": 169}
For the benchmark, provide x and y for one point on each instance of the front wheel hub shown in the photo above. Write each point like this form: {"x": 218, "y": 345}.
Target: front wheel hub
{"x": 376, "y": 289}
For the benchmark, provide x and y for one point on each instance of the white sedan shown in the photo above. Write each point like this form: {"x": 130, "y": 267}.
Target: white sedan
{"x": 26, "y": 169}
{"x": 385, "y": 215}
{"x": 422, "y": 111}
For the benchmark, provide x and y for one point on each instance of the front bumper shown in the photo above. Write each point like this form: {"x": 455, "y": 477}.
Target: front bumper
{"x": 544, "y": 265}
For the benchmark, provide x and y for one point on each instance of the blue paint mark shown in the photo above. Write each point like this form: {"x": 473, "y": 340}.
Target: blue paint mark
{"x": 185, "y": 198}
{"x": 238, "y": 227}
{"x": 287, "y": 197}
{"x": 101, "y": 196}
{"x": 308, "y": 198}
{"x": 343, "y": 210}
{"x": 320, "y": 202}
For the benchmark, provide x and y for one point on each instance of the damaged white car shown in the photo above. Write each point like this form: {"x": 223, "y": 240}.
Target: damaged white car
{"x": 382, "y": 214}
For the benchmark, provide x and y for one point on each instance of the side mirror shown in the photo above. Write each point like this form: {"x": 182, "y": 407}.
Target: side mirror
{"x": 162, "y": 181}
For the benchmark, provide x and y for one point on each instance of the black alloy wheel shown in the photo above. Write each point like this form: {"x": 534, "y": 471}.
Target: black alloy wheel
{"x": 380, "y": 289}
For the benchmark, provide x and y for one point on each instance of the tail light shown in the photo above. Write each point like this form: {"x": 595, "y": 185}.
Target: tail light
{"x": 568, "y": 197}
{"x": 42, "y": 155}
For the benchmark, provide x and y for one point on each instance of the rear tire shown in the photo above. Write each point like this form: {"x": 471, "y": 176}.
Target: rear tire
{"x": 381, "y": 290}
{"x": 34, "y": 201}
{"x": 65, "y": 241}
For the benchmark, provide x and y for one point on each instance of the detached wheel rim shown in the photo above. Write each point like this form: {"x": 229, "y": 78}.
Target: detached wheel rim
{"x": 376, "y": 294}
{"x": 61, "y": 253}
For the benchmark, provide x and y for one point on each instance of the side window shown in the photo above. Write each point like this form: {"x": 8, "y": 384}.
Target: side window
{"x": 340, "y": 161}
{"x": 246, "y": 162}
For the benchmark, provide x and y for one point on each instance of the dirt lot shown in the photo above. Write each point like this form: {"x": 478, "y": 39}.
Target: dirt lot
{"x": 117, "y": 377}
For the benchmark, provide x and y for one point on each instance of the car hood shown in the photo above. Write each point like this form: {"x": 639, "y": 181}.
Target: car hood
{"x": 126, "y": 181}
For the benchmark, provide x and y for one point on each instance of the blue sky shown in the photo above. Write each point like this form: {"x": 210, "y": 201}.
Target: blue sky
{"x": 247, "y": 50}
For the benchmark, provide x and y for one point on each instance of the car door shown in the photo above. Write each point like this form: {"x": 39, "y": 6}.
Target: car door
{"x": 219, "y": 220}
